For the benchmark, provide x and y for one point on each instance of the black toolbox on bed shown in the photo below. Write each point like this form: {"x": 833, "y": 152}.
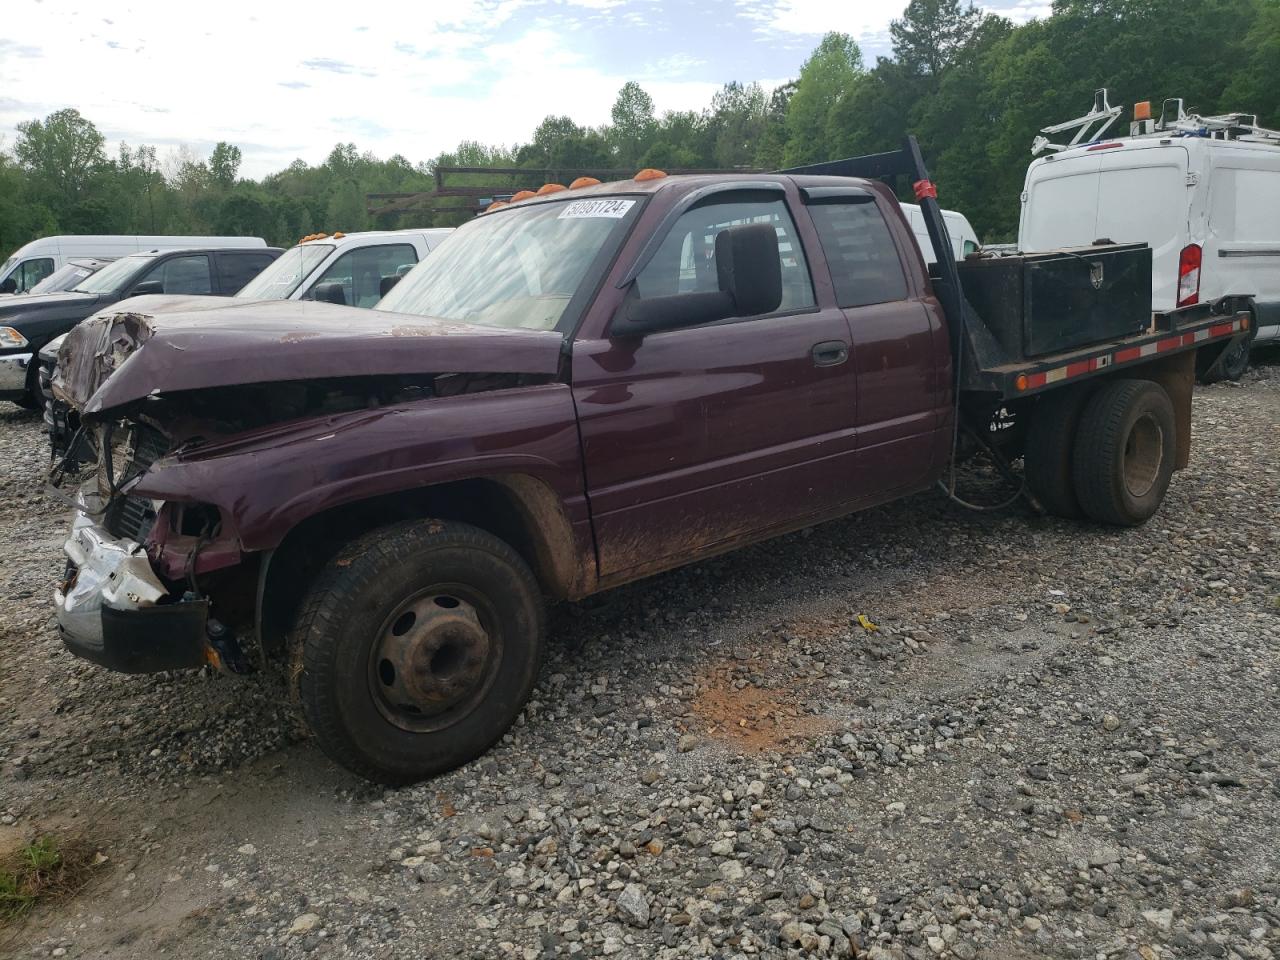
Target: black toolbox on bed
{"x": 1041, "y": 303}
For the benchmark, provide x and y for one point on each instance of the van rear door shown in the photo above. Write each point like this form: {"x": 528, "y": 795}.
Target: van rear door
{"x": 1060, "y": 206}
{"x": 1143, "y": 197}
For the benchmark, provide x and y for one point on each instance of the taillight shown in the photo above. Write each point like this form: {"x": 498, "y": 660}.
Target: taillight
{"x": 1189, "y": 275}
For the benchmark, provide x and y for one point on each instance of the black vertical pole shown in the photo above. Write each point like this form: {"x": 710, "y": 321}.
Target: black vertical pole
{"x": 947, "y": 287}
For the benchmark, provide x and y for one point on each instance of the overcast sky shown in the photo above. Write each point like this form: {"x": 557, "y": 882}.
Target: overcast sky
{"x": 284, "y": 81}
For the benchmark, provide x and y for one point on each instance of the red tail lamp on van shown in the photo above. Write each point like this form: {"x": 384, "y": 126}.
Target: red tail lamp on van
{"x": 1189, "y": 275}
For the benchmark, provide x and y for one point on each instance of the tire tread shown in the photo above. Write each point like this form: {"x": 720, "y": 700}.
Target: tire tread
{"x": 313, "y": 640}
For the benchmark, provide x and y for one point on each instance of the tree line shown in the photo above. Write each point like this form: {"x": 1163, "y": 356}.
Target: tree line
{"x": 974, "y": 87}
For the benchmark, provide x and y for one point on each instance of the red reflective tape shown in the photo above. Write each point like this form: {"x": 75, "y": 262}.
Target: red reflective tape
{"x": 1222, "y": 329}
{"x": 925, "y": 188}
{"x": 1127, "y": 354}
{"x": 1036, "y": 380}
{"x": 1188, "y": 339}
{"x": 1168, "y": 343}
{"x": 1079, "y": 367}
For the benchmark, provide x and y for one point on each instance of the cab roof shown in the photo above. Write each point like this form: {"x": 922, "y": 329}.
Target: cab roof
{"x": 684, "y": 183}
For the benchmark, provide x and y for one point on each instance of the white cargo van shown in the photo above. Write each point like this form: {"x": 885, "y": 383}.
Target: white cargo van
{"x": 964, "y": 240}
{"x": 351, "y": 268}
{"x": 1204, "y": 192}
{"x": 36, "y": 260}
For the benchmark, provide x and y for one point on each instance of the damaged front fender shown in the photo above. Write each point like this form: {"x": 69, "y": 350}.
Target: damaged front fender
{"x": 93, "y": 351}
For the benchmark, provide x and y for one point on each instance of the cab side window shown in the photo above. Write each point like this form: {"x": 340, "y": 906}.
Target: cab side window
{"x": 865, "y": 266}
{"x": 686, "y": 260}
{"x": 183, "y": 275}
{"x": 237, "y": 269}
{"x": 361, "y": 271}
{"x": 31, "y": 272}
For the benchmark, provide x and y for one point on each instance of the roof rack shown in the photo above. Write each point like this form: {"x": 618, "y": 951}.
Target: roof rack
{"x": 1228, "y": 126}
{"x": 1102, "y": 114}
{"x": 1174, "y": 121}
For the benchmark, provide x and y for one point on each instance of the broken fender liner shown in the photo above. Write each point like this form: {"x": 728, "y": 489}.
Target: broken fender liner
{"x": 149, "y": 639}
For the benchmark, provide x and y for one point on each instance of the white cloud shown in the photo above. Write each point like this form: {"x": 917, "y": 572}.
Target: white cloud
{"x": 286, "y": 82}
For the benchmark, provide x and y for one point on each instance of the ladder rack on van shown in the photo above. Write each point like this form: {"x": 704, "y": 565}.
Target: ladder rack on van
{"x": 1102, "y": 114}
{"x": 1174, "y": 121}
{"x": 1227, "y": 126}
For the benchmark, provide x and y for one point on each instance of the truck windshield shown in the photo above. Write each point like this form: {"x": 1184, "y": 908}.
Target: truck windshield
{"x": 514, "y": 268}
{"x": 64, "y": 278}
{"x": 279, "y": 280}
{"x": 114, "y": 274}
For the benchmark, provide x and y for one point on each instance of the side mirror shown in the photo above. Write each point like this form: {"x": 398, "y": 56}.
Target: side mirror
{"x": 330, "y": 292}
{"x": 749, "y": 272}
{"x": 10, "y": 285}
{"x": 146, "y": 287}
{"x": 386, "y": 283}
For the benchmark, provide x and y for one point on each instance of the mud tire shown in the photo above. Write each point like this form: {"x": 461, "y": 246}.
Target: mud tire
{"x": 342, "y": 624}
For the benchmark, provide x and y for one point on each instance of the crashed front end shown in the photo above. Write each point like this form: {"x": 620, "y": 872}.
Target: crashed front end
{"x": 129, "y": 599}
{"x": 210, "y": 430}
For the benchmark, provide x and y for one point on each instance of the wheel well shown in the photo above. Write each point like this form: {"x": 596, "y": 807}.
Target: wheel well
{"x": 519, "y": 509}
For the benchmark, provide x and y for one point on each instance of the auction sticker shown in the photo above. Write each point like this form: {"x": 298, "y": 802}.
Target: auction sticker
{"x": 583, "y": 209}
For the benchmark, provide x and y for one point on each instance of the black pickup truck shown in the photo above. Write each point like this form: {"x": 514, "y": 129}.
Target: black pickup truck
{"x": 30, "y": 321}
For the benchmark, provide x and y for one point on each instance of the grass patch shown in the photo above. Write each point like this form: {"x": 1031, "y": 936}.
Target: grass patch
{"x": 43, "y": 871}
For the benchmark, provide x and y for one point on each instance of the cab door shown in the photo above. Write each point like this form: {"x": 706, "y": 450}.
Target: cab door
{"x": 697, "y": 438}
{"x": 899, "y": 348}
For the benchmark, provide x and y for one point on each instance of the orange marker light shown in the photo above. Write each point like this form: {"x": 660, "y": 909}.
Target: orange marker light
{"x": 648, "y": 173}
{"x": 1244, "y": 322}
{"x": 338, "y": 234}
{"x": 550, "y": 188}
{"x": 1142, "y": 110}
{"x": 497, "y": 204}
{"x": 523, "y": 195}
{"x": 584, "y": 182}
{"x": 1021, "y": 382}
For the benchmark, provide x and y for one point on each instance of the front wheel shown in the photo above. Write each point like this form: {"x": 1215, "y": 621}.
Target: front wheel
{"x": 418, "y": 646}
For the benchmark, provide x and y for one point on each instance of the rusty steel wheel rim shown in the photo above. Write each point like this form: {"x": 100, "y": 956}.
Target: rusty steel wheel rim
{"x": 1143, "y": 455}
{"x": 434, "y": 658}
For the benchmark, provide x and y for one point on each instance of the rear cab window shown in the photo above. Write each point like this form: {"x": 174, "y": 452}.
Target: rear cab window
{"x": 685, "y": 262}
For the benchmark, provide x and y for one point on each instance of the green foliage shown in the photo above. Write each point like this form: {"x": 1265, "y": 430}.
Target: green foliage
{"x": 973, "y": 87}
{"x": 829, "y": 77}
{"x": 633, "y": 123}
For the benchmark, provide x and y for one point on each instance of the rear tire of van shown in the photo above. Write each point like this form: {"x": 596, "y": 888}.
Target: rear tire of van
{"x": 1235, "y": 361}
{"x": 1124, "y": 452}
{"x": 1050, "y": 448}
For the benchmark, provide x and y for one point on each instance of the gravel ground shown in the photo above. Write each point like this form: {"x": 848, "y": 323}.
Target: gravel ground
{"x": 1060, "y": 741}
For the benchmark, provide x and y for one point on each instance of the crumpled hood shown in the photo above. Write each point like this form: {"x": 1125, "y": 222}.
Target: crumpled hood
{"x": 163, "y": 344}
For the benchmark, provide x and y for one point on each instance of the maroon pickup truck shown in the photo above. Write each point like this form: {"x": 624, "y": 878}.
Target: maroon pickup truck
{"x": 579, "y": 388}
